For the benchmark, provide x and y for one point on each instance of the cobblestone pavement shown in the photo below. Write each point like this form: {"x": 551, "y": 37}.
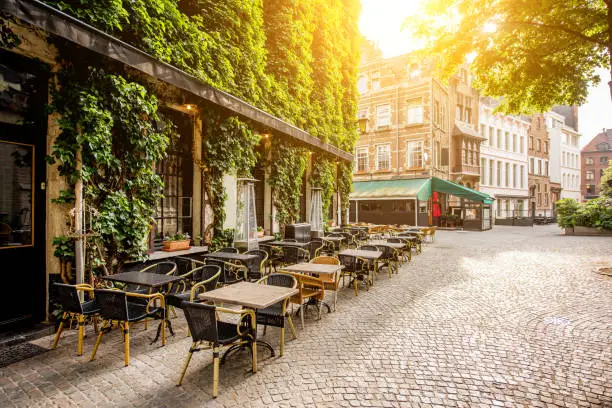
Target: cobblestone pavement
{"x": 516, "y": 316}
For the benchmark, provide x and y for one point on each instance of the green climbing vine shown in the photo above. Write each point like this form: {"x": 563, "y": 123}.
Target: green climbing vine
{"x": 324, "y": 176}
{"x": 114, "y": 125}
{"x": 288, "y": 164}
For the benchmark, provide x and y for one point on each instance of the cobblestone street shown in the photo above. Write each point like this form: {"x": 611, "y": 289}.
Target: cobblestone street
{"x": 516, "y": 316}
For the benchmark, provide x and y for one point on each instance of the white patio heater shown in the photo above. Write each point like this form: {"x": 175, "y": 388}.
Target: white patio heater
{"x": 246, "y": 217}
{"x": 316, "y": 213}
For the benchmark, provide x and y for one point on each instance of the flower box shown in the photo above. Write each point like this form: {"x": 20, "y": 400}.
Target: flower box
{"x": 176, "y": 245}
{"x": 260, "y": 234}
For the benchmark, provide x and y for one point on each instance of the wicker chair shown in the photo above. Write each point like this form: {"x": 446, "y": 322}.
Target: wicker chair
{"x": 336, "y": 244}
{"x": 229, "y": 250}
{"x": 68, "y": 298}
{"x": 230, "y": 272}
{"x": 275, "y": 256}
{"x": 330, "y": 282}
{"x": 205, "y": 328}
{"x": 257, "y": 268}
{"x": 116, "y": 306}
{"x": 293, "y": 255}
{"x": 405, "y": 253}
{"x": 372, "y": 263}
{"x": 357, "y": 269}
{"x": 164, "y": 268}
{"x": 388, "y": 259}
{"x": 276, "y": 314}
{"x": 201, "y": 279}
{"x": 310, "y": 289}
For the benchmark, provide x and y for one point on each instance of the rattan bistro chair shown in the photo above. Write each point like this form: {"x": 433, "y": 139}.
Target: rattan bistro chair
{"x": 68, "y": 298}
{"x": 293, "y": 255}
{"x": 357, "y": 269}
{"x": 275, "y": 256}
{"x": 202, "y": 279}
{"x": 405, "y": 253}
{"x": 310, "y": 289}
{"x": 205, "y": 328}
{"x": 388, "y": 259}
{"x": 257, "y": 267}
{"x": 330, "y": 282}
{"x": 115, "y": 306}
{"x": 276, "y": 314}
{"x": 230, "y": 272}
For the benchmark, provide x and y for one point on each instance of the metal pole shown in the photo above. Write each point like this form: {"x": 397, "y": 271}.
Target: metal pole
{"x": 78, "y": 225}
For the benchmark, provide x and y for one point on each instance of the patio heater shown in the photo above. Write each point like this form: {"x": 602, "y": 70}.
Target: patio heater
{"x": 246, "y": 217}
{"x": 316, "y": 213}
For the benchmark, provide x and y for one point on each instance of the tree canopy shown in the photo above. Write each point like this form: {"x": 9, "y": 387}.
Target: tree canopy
{"x": 533, "y": 54}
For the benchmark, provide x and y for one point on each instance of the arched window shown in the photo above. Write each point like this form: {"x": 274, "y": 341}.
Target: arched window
{"x": 603, "y": 146}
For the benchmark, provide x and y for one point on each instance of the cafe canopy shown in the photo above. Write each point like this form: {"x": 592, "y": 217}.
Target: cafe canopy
{"x": 412, "y": 189}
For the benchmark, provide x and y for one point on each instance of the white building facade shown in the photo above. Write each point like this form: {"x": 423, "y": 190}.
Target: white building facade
{"x": 564, "y": 155}
{"x": 503, "y": 162}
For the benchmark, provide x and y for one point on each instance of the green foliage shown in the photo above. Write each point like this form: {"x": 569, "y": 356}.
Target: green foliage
{"x": 64, "y": 248}
{"x": 566, "y": 208}
{"x": 595, "y": 213}
{"x": 533, "y": 54}
{"x": 324, "y": 176}
{"x": 177, "y": 237}
{"x": 115, "y": 126}
{"x": 8, "y": 39}
{"x": 288, "y": 164}
{"x": 65, "y": 197}
{"x": 223, "y": 238}
{"x": 345, "y": 184}
{"x": 605, "y": 186}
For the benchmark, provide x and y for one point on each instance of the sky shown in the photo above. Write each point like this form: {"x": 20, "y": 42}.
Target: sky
{"x": 381, "y": 22}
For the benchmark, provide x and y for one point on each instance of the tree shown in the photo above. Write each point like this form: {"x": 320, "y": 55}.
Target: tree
{"x": 605, "y": 187}
{"x": 533, "y": 54}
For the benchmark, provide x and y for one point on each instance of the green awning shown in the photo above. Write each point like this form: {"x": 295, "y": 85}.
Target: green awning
{"x": 414, "y": 188}
{"x": 391, "y": 189}
{"x": 457, "y": 190}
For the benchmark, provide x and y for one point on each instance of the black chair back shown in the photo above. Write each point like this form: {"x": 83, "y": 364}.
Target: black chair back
{"x": 185, "y": 265}
{"x": 314, "y": 245}
{"x": 387, "y": 252}
{"x": 229, "y": 250}
{"x": 255, "y": 264}
{"x": 291, "y": 255}
{"x": 68, "y": 297}
{"x": 113, "y": 304}
{"x": 349, "y": 262}
{"x": 207, "y": 272}
{"x": 281, "y": 279}
{"x": 226, "y": 275}
{"x": 162, "y": 268}
{"x": 202, "y": 321}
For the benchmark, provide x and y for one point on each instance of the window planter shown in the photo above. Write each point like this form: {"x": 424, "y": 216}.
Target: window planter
{"x": 177, "y": 245}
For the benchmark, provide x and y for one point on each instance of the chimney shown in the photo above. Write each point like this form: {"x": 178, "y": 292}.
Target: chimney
{"x": 575, "y": 115}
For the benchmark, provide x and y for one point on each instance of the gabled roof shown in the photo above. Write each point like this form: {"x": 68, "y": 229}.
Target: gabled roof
{"x": 65, "y": 26}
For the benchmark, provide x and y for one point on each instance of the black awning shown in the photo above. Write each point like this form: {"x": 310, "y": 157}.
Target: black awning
{"x": 65, "y": 26}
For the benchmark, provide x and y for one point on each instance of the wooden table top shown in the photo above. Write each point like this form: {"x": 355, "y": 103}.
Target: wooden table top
{"x": 286, "y": 243}
{"x": 335, "y": 239}
{"x": 228, "y": 256}
{"x": 251, "y": 295}
{"x": 149, "y": 279}
{"x": 157, "y": 255}
{"x": 394, "y": 245}
{"x": 362, "y": 254}
{"x": 321, "y": 269}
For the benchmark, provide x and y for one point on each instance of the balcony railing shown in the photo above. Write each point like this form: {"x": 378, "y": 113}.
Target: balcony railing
{"x": 466, "y": 169}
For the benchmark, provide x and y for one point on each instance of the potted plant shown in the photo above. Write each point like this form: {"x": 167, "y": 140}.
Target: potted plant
{"x": 260, "y": 232}
{"x": 178, "y": 242}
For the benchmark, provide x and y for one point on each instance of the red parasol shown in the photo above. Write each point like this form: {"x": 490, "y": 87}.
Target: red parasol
{"x": 436, "y": 206}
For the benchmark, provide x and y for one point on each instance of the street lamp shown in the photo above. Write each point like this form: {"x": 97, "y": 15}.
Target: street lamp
{"x": 363, "y": 125}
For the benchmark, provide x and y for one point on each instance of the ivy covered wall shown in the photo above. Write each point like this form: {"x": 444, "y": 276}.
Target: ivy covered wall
{"x": 296, "y": 59}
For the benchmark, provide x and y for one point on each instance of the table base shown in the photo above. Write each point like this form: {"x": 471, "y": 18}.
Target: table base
{"x": 240, "y": 347}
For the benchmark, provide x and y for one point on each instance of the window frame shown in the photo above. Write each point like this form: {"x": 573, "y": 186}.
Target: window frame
{"x": 421, "y": 143}
{"x": 388, "y": 146}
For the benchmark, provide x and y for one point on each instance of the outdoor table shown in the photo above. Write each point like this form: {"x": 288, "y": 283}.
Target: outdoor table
{"x": 335, "y": 241}
{"x": 289, "y": 243}
{"x": 394, "y": 245}
{"x": 311, "y": 269}
{"x": 371, "y": 256}
{"x": 158, "y": 255}
{"x": 229, "y": 256}
{"x": 148, "y": 279}
{"x": 249, "y": 295}
{"x": 265, "y": 238}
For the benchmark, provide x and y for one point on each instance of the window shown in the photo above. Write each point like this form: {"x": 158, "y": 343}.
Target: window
{"x": 514, "y": 143}
{"x": 539, "y": 167}
{"x": 538, "y": 145}
{"x": 563, "y": 159}
{"x": 362, "y": 159}
{"x": 499, "y": 138}
{"x": 483, "y": 164}
{"x": 415, "y": 110}
{"x": 507, "y": 175}
{"x": 483, "y": 130}
{"x": 530, "y": 142}
{"x": 499, "y": 168}
{"x": 522, "y": 176}
{"x": 362, "y": 113}
{"x": 603, "y": 146}
{"x": 375, "y": 80}
{"x": 590, "y": 189}
{"x": 514, "y": 168}
{"x": 362, "y": 84}
{"x": 522, "y": 144}
{"x": 588, "y": 160}
{"x": 545, "y": 168}
{"x": 491, "y": 163}
{"x": 603, "y": 160}
{"x": 383, "y": 115}
{"x": 590, "y": 175}
{"x": 383, "y": 157}
{"x": 545, "y": 147}
{"x": 415, "y": 154}
{"x": 491, "y": 136}
{"x": 507, "y": 141}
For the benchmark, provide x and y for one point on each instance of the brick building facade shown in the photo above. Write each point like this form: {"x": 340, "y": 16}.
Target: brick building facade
{"x": 595, "y": 158}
